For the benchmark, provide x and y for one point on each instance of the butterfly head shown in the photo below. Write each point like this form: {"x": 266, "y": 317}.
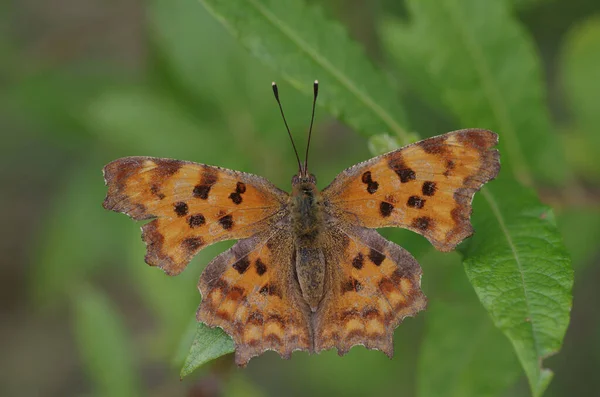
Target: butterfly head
{"x": 300, "y": 180}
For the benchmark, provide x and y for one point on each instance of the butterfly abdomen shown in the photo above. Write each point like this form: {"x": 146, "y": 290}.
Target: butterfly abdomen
{"x": 307, "y": 224}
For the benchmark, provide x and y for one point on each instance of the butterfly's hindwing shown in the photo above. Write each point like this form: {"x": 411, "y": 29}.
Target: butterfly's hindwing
{"x": 250, "y": 292}
{"x": 372, "y": 285}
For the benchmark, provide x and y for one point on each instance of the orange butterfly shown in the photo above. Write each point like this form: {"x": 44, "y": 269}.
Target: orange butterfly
{"x": 308, "y": 272}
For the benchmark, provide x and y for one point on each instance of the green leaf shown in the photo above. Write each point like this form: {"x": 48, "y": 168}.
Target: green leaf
{"x": 104, "y": 345}
{"x": 580, "y": 57}
{"x": 152, "y": 123}
{"x": 208, "y": 344}
{"x": 304, "y": 45}
{"x": 77, "y": 236}
{"x": 479, "y": 60}
{"x": 580, "y": 75}
{"x": 382, "y": 143}
{"x": 462, "y": 353}
{"x": 522, "y": 273}
{"x": 228, "y": 80}
{"x": 581, "y": 228}
{"x": 240, "y": 386}
{"x": 171, "y": 300}
{"x": 57, "y": 100}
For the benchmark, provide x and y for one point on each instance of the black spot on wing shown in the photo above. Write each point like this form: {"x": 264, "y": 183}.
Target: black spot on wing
{"x": 226, "y": 222}
{"x": 191, "y": 244}
{"x": 415, "y": 202}
{"x": 181, "y": 208}
{"x": 196, "y": 220}
{"x": 429, "y": 188}
{"x": 376, "y": 257}
{"x": 240, "y": 187}
{"x": 406, "y": 175}
{"x": 270, "y": 289}
{"x": 385, "y": 209}
{"x": 358, "y": 261}
{"x": 261, "y": 268}
{"x": 351, "y": 285}
{"x": 397, "y": 165}
{"x": 236, "y": 198}
{"x": 202, "y": 190}
{"x": 372, "y": 185}
{"x": 422, "y": 223}
{"x": 241, "y": 265}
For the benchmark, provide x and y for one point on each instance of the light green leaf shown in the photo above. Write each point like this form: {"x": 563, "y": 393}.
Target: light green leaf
{"x": 484, "y": 68}
{"x": 304, "y": 45}
{"x": 104, "y": 345}
{"x": 208, "y": 344}
{"x": 580, "y": 57}
{"x": 525, "y": 5}
{"x": 522, "y": 273}
{"x": 382, "y": 143}
{"x": 240, "y": 386}
{"x": 141, "y": 121}
{"x": 462, "y": 353}
{"x": 580, "y": 75}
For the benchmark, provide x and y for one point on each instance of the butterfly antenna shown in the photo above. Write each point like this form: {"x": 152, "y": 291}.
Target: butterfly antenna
{"x": 276, "y": 93}
{"x": 312, "y": 119}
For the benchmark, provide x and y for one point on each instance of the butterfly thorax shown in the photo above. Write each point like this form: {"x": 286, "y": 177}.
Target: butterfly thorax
{"x": 307, "y": 223}
{"x": 306, "y": 212}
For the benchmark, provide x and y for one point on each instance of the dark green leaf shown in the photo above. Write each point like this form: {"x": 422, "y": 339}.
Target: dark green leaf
{"x": 478, "y": 59}
{"x": 304, "y": 45}
{"x": 208, "y": 344}
{"x": 581, "y": 228}
{"x": 522, "y": 273}
{"x": 104, "y": 345}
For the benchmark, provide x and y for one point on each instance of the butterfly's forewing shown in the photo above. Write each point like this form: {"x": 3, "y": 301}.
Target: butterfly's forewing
{"x": 426, "y": 187}
{"x": 195, "y": 205}
{"x": 372, "y": 285}
{"x": 250, "y": 292}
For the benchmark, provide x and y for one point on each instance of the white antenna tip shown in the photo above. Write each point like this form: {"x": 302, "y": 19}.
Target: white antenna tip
{"x": 316, "y": 81}
{"x": 273, "y": 83}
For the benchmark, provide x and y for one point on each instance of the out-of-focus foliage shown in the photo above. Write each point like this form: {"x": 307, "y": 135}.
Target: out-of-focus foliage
{"x": 110, "y": 362}
{"x": 82, "y": 313}
{"x": 580, "y": 74}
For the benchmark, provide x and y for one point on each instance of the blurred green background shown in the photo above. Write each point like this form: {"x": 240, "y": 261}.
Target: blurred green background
{"x": 83, "y": 83}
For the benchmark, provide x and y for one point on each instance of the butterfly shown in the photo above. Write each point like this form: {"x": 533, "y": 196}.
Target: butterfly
{"x": 308, "y": 271}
